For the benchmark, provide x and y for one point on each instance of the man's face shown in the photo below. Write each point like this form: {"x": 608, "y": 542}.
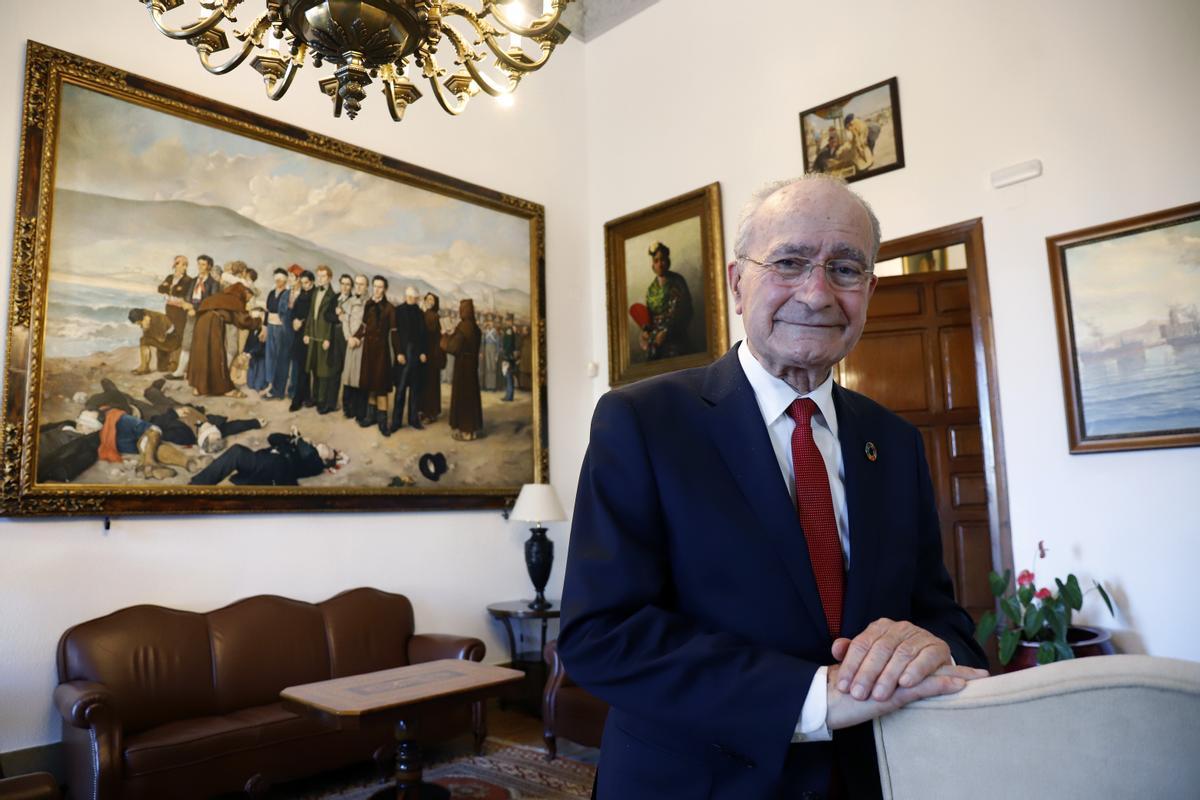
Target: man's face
{"x": 810, "y": 326}
{"x": 179, "y": 266}
{"x": 345, "y": 284}
{"x": 410, "y": 298}
{"x": 659, "y": 264}
{"x": 360, "y": 286}
{"x": 377, "y": 290}
{"x": 280, "y": 280}
{"x": 322, "y": 278}
{"x": 306, "y": 283}
{"x": 204, "y": 265}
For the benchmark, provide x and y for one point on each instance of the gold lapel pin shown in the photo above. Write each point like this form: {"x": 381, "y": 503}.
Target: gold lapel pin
{"x": 871, "y": 452}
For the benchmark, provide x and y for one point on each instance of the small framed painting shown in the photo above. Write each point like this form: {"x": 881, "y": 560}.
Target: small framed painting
{"x": 856, "y": 135}
{"x": 666, "y": 287}
{"x": 1127, "y": 301}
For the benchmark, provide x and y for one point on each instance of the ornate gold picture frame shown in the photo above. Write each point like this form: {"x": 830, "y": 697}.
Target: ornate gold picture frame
{"x": 666, "y": 287}
{"x": 130, "y": 392}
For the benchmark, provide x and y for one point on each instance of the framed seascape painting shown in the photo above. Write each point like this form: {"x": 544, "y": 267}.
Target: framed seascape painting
{"x": 1127, "y": 301}
{"x": 666, "y": 287}
{"x": 214, "y": 311}
{"x": 855, "y": 136}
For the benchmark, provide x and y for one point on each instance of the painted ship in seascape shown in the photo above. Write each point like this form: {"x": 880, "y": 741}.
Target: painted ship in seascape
{"x": 1183, "y": 327}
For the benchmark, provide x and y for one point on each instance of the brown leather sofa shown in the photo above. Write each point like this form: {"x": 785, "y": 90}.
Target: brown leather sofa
{"x": 569, "y": 710}
{"x": 159, "y": 703}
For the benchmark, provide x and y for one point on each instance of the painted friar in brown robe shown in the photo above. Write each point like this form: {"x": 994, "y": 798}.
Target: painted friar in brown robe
{"x": 208, "y": 369}
{"x": 466, "y": 407}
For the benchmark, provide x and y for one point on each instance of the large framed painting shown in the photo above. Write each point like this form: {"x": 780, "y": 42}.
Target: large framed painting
{"x": 214, "y": 311}
{"x": 666, "y": 287}
{"x": 855, "y": 136}
{"x": 1127, "y": 301}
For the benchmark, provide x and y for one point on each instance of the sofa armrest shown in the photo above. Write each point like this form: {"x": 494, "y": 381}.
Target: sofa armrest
{"x": 79, "y": 703}
{"x": 424, "y": 647}
{"x": 92, "y": 739}
{"x": 554, "y": 681}
{"x": 38, "y": 786}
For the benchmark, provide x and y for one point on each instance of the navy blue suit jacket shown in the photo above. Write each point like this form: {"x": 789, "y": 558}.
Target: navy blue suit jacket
{"x": 690, "y": 604}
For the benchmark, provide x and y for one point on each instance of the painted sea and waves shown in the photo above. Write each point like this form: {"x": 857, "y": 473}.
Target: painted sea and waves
{"x": 1131, "y": 293}
{"x": 231, "y": 307}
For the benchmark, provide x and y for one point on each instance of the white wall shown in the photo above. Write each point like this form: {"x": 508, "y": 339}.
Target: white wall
{"x": 56, "y": 573}
{"x": 1101, "y": 91}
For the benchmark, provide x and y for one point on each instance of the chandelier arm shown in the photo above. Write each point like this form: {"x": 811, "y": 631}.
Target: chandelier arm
{"x": 203, "y": 26}
{"x": 468, "y": 58}
{"x": 517, "y": 64}
{"x": 536, "y": 31}
{"x": 454, "y": 109}
{"x": 390, "y": 95}
{"x": 281, "y": 86}
{"x": 228, "y": 66}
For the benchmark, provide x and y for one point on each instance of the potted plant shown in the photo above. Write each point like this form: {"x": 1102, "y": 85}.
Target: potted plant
{"x": 1035, "y": 623}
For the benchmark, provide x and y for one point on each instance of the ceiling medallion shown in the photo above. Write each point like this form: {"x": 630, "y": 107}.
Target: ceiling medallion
{"x": 369, "y": 40}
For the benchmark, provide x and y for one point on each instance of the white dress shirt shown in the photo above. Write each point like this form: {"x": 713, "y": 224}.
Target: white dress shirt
{"x": 774, "y": 396}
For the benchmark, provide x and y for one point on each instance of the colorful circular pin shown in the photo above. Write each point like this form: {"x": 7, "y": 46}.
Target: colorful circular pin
{"x": 871, "y": 452}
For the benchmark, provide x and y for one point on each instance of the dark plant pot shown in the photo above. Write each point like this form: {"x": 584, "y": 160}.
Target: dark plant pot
{"x": 1084, "y": 641}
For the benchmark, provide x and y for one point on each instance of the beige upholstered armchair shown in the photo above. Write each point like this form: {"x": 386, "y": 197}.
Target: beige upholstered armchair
{"x": 1117, "y": 726}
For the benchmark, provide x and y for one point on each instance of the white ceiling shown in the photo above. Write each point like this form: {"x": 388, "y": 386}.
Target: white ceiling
{"x": 587, "y": 19}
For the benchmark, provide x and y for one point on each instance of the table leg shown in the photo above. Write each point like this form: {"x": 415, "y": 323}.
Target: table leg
{"x": 409, "y": 768}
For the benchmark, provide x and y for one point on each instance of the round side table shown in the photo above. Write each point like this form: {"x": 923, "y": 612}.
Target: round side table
{"x": 512, "y": 614}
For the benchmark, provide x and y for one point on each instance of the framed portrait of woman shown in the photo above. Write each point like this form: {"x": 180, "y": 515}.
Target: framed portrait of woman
{"x": 666, "y": 287}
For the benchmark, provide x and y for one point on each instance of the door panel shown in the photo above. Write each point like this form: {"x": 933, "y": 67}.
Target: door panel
{"x": 894, "y": 362}
{"x": 958, "y": 368}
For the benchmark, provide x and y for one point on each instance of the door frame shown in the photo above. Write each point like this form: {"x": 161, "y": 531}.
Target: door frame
{"x": 970, "y": 234}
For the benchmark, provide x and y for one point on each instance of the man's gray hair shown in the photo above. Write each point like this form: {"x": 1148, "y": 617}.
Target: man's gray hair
{"x": 764, "y": 193}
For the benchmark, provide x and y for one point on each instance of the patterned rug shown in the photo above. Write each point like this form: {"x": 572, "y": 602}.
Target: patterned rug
{"x": 504, "y": 772}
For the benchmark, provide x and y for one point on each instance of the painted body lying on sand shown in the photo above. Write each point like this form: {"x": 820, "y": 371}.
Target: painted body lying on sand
{"x": 214, "y": 316}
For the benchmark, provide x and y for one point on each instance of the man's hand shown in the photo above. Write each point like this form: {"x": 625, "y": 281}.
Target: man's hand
{"x": 296, "y": 323}
{"x": 306, "y": 340}
{"x": 401, "y": 360}
{"x": 887, "y": 655}
{"x": 325, "y": 345}
{"x": 423, "y": 358}
{"x": 844, "y": 711}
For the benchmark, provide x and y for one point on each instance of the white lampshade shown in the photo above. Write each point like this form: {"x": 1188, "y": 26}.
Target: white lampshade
{"x": 537, "y": 502}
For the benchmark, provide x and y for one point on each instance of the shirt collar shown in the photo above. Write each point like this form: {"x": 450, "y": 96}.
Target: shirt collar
{"x": 774, "y": 395}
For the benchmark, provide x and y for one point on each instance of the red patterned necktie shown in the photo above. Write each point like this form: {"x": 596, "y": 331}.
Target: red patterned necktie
{"x": 814, "y": 504}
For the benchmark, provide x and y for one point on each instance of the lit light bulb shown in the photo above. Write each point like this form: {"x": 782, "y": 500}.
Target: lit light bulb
{"x": 506, "y": 100}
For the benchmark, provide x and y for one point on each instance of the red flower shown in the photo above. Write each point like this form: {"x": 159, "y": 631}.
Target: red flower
{"x": 1043, "y": 594}
{"x": 1025, "y": 578}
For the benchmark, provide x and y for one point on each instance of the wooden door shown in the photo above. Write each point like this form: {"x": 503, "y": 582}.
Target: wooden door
{"x": 923, "y": 355}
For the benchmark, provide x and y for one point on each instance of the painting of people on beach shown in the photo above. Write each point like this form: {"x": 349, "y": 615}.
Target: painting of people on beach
{"x": 1129, "y": 324}
{"x": 225, "y": 311}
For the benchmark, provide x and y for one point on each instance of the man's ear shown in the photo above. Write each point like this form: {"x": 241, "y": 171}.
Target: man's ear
{"x": 734, "y": 273}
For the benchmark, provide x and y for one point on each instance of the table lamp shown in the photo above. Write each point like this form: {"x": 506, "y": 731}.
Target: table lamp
{"x": 538, "y": 503}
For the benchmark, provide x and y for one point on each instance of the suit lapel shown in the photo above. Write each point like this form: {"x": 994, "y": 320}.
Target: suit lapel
{"x": 736, "y": 426}
{"x": 863, "y": 481}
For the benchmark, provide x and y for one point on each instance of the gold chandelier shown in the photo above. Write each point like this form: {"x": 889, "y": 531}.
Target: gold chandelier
{"x": 374, "y": 39}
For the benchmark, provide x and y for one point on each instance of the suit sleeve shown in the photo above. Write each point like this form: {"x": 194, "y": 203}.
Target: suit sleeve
{"x": 934, "y": 606}
{"x": 622, "y": 635}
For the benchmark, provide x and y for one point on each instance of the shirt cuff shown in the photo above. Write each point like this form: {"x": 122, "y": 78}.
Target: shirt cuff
{"x": 811, "y": 727}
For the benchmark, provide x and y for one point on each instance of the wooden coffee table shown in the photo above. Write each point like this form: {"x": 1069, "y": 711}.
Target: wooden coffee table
{"x": 401, "y": 695}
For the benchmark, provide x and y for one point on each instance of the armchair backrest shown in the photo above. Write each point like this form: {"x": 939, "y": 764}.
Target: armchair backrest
{"x": 1111, "y": 726}
{"x": 162, "y": 664}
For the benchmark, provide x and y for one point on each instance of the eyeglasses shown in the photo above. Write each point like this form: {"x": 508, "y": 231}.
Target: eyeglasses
{"x": 842, "y": 273}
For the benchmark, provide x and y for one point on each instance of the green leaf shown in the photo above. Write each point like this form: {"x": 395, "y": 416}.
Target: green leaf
{"x": 1062, "y": 588}
{"x": 986, "y": 627}
{"x": 1057, "y": 616}
{"x": 997, "y": 583}
{"x": 1008, "y": 645}
{"x": 1025, "y": 595}
{"x": 1035, "y": 618}
{"x": 1046, "y": 653}
{"x": 1104, "y": 596}
{"x": 1064, "y": 651}
{"x": 1011, "y": 610}
{"x": 1074, "y": 593}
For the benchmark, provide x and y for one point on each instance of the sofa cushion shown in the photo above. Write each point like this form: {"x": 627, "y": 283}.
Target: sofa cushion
{"x": 262, "y": 645}
{"x": 368, "y": 630}
{"x": 192, "y": 741}
{"x": 156, "y": 662}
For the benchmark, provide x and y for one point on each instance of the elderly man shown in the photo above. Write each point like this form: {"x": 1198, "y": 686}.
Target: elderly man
{"x": 755, "y": 565}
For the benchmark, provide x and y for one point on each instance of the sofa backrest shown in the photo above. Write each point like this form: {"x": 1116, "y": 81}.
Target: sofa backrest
{"x": 163, "y": 665}
{"x": 262, "y": 645}
{"x": 157, "y": 662}
{"x": 367, "y": 630}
